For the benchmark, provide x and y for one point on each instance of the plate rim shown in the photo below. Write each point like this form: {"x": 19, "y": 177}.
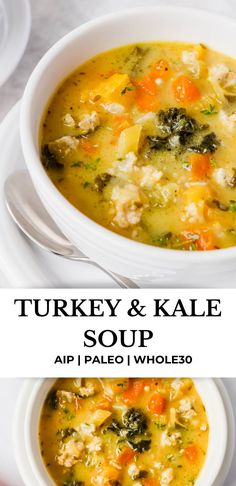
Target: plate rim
{"x": 25, "y": 27}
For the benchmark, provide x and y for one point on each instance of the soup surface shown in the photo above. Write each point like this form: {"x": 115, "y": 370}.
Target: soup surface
{"x": 142, "y": 140}
{"x": 124, "y": 432}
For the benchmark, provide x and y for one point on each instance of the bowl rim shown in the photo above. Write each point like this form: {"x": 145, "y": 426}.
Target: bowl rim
{"x": 31, "y": 153}
{"x": 25, "y": 411}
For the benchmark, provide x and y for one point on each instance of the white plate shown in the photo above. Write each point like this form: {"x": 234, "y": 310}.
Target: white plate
{"x": 15, "y": 23}
{"x": 24, "y": 265}
{"x": 228, "y": 393}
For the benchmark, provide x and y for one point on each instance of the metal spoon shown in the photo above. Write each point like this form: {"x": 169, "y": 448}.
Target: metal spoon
{"x": 29, "y": 214}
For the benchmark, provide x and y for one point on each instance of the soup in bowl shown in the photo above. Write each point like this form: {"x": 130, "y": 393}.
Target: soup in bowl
{"x": 141, "y": 140}
{"x": 62, "y": 426}
{"x": 124, "y": 432}
{"x": 128, "y": 135}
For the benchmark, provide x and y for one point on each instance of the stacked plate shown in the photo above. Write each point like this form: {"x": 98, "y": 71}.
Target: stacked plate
{"x": 15, "y": 23}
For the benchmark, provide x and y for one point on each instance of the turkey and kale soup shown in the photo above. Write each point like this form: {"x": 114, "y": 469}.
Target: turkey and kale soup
{"x": 141, "y": 139}
{"x": 124, "y": 432}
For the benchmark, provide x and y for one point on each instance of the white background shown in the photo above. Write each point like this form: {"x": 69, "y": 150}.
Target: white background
{"x": 38, "y": 340}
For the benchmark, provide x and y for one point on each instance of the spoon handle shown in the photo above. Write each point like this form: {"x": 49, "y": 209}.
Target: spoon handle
{"x": 123, "y": 282}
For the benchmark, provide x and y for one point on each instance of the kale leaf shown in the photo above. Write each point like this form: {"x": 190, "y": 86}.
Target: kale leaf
{"x": 209, "y": 144}
{"x": 179, "y": 130}
{"x": 101, "y": 181}
{"x": 135, "y": 421}
{"x": 134, "y": 430}
{"x": 49, "y": 159}
{"x": 141, "y": 445}
{"x": 141, "y": 474}
{"x": 115, "y": 427}
{"x": 52, "y": 400}
{"x": 64, "y": 433}
{"x": 176, "y": 121}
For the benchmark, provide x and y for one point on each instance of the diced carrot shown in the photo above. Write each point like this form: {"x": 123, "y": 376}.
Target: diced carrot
{"x": 135, "y": 389}
{"x": 104, "y": 404}
{"x": 146, "y": 94}
{"x": 160, "y": 70}
{"x": 87, "y": 146}
{"x": 157, "y": 404}
{"x": 146, "y": 102}
{"x": 185, "y": 90}
{"x": 191, "y": 453}
{"x": 200, "y": 166}
{"x": 126, "y": 455}
{"x": 147, "y": 84}
{"x": 204, "y": 240}
{"x": 120, "y": 123}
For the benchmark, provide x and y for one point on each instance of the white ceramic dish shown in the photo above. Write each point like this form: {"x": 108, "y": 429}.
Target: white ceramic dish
{"x": 109, "y": 249}
{"x": 22, "y": 263}
{"x": 29, "y": 408}
{"x": 14, "y": 34}
{"x": 30, "y": 266}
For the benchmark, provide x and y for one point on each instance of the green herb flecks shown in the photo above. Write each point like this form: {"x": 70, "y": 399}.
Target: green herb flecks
{"x": 213, "y": 162}
{"x": 211, "y": 110}
{"x": 232, "y": 206}
{"x": 127, "y": 89}
{"x": 92, "y": 165}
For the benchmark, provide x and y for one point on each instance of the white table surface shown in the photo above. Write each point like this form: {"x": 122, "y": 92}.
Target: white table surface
{"x": 50, "y": 20}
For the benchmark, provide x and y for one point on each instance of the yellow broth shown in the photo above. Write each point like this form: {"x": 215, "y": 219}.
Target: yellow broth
{"x": 141, "y": 139}
{"x": 124, "y": 432}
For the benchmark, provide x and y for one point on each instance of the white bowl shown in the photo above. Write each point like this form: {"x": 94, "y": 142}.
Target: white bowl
{"x": 29, "y": 409}
{"x": 111, "y": 250}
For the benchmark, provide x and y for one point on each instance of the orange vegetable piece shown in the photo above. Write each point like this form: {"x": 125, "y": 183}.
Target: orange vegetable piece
{"x": 126, "y": 455}
{"x": 200, "y": 166}
{"x": 205, "y": 239}
{"x": 150, "y": 482}
{"x": 121, "y": 122}
{"x": 146, "y": 94}
{"x": 160, "y": 70}
{"x": 185, "y": 90}
{"x": 157, "y": 404}
{"x": 105, "y": 404}
{"x": 191, "y": 453}
{"x": 87, "y": 146}
{"x": 135, "y": 389}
